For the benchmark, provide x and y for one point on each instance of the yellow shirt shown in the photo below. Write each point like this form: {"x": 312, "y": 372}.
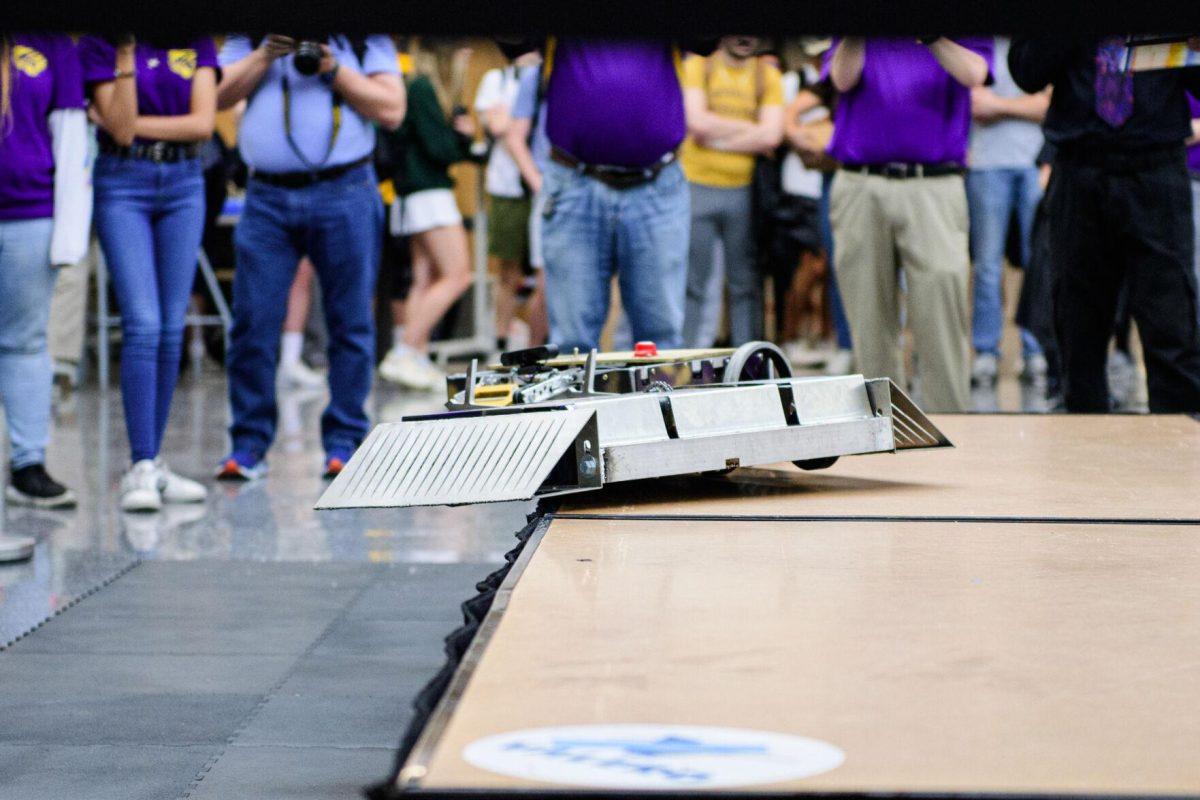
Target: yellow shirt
{"x": 731, "y": 93}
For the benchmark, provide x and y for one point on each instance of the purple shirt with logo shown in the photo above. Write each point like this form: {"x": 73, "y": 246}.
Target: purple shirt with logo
{"x": 905, "y": 108}
{"x": 1194, "y": 150}
{"x": 614, "y": 102}
{"x": 164, "y": 74}
{"x": 45, "y": 76}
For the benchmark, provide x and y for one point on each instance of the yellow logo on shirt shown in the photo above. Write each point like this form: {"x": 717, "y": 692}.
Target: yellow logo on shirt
{"x": 28, "y": 60}
{"x": 182, "y": 63}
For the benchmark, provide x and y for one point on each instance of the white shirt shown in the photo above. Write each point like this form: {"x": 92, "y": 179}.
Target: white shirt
{"x": 798, "y": 179}
{"x": 499, "y": 87}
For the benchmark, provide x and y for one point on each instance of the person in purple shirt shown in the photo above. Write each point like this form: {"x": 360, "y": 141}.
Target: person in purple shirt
{"x": 898, "y": 204}
{"x": 155, "y": 108}
{"x": 45, "y": 213}
{"x": 614, "y": 199}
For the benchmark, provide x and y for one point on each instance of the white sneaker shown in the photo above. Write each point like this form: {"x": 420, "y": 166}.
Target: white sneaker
{"x": 1034, "y": 368}
{"x": 985, "y": 369}
{"x": 16, "y": 548}
{"x": 175, "y": 488}
{"x": 298, "y": 375}
{"x": 139, "y": 488}
{"x": 406, "y": 368}
{"x": 840, "y": 363}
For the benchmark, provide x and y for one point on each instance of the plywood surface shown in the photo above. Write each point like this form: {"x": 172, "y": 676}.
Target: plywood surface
{"x": 938, "y": 656}
{"x": 1036, "y": 466}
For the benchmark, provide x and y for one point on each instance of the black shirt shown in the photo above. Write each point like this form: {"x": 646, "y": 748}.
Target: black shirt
{"x": 1160, "y": 109}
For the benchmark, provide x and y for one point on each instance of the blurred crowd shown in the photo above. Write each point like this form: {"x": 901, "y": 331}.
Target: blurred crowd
{"x": 855, "y": 200}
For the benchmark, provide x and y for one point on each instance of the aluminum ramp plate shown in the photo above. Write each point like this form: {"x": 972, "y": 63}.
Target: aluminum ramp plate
{"x": 483, "y": 459}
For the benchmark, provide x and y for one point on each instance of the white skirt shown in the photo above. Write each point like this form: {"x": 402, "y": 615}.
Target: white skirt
{"x": 423, "y": 211}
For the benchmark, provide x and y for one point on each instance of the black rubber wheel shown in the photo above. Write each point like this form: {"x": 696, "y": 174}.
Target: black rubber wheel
{"x": 816, "y": 463}
{"x": 756, "y": 361}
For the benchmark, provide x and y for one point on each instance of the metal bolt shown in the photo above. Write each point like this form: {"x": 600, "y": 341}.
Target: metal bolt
{"x": 587, "y": 466}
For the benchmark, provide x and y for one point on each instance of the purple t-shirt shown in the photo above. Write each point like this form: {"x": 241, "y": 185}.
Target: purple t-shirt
{"x": 1194, "y": 150}
{"x": 44, "y": 71}
{"x": 164, "y": 74}
{"x": 614, "y": 102}
{"x": 905, "y": 108}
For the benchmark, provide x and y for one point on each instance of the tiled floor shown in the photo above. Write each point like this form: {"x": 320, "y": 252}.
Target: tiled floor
{"x": 249, "y": 647}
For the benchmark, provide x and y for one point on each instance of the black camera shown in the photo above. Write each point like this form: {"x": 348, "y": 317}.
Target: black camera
{"x": 307, "y": 58}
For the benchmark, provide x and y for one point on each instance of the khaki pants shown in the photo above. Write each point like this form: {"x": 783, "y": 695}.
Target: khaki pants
{"x": 68, "y": 310}
{"x": 919, "y": 225}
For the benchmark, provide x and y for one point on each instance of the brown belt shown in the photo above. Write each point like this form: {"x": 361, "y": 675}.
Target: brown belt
{"x": 616, "y": 177}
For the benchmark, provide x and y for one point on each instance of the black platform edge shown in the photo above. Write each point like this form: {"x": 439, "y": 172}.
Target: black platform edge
{"x": 875, "y": 518}
{"x": 593, "y": 794}
{"x": 458, "y": 642}
{"x": 74, "y": 601}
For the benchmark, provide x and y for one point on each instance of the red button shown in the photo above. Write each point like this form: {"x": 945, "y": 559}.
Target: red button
{"x": 645, "y": 350}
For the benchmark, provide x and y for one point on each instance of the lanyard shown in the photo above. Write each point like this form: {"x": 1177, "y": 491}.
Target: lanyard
{"x": 335, "y": 128}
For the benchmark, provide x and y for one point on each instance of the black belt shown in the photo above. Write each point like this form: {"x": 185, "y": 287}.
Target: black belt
{"x": 298, "y": 180}
{"x": 152, "y": 151}
{"x": 900, "y": 169}
{"x": 616, "y": 177}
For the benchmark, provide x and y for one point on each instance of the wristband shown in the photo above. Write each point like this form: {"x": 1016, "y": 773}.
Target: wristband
{"x": 927, "y": 40}
{"x": 124, "y": 73}
{"x": 328, "y": 77}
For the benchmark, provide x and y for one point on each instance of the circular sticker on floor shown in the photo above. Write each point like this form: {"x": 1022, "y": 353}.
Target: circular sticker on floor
{"x": 652, "y": 756}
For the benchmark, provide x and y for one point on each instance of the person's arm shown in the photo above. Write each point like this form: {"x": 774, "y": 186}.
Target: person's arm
{"x": 703, "y": 124}
{"x": 516, "y": 139}
{"x": 762, "y": 136}
{"x": 987, "y": 106}
{"x": 963, "y": 64}
{"x": 379, "y": 98}
{"x": 804, "y": 101}
{"x": 114, "y": 102}
{"x": 1195, "y": 137}
{"x": 196, "y": 125}
{"x": 1035, "y": 62}
{"x": 241, "y": 77}
{"x": 846, "y": 65}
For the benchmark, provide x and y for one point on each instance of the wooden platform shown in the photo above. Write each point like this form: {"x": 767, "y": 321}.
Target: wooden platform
{"x": 951, "y": 656}
{"x": 1120, "y": 467}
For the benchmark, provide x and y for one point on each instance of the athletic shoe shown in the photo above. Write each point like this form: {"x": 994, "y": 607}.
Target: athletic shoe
{"x": 298, "y": 375}
{"x": 840, "y": 363}
{"x": 1034, "y": 368}
{"x": 16, "y": 548}
{"x": 408, "y": 369}
{"x": 985, "y": 369}
{"x": 32, "y": 486}
{"x": 177, "y": 489}
{"x": 1123, "y": 378}
{"x": 335, "y": 462}
{"x": 139, "y": 488}
{"x": 241, "y": 466}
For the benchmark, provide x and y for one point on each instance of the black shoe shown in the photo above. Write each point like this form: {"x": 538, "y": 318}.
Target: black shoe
{"x": 32, "y": 486}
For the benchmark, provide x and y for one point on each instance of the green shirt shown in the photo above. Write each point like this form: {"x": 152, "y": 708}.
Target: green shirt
{"x": 425, "y": 143}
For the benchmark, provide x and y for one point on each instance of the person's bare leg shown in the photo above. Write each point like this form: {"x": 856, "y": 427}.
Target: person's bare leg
{"x": 291, "y": 344}
{"x": 422, "y": 276}
{"x": 299, "y": 298}
{"x": 535, "y": 312}
{"x": 446, "y": 249}
{"x": 507, "y": 286}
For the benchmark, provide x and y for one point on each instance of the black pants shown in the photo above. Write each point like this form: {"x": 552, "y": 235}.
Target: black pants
{"x": 1115, "y": 219}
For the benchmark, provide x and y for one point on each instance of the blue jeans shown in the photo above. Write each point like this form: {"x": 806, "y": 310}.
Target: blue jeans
{"x": 149, "y": 219}
{"x": 841, "y": 325}
{"x": 338, "y": 224}
{"x": 26, "y": 374}
{"x": 591, "y": 231}
{"x": 993, "y": 195}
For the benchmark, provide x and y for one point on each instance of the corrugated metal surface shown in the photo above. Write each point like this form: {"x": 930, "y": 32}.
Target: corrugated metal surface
{"x": 455, "y": 461}
{"x": 910, "y": 426}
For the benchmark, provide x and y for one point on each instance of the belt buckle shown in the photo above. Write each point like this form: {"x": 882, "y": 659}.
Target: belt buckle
{"x": 895, "y": 169}
{"x": 158, "y": 151}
